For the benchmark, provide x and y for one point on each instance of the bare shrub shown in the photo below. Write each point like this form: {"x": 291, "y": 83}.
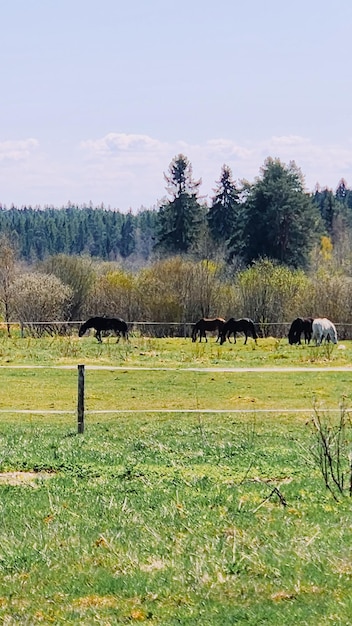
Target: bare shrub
{"x": 39, "y": 298}
{"x": 332, "y": 451}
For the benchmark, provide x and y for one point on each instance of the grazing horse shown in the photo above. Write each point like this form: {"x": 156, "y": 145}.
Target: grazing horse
{"x": 324, "y": 329}
{"x": 105, "y": 323}
{"x": 204, "y": 324}
{"x": 300, "y": 325}
{"x": 243, "y": 325}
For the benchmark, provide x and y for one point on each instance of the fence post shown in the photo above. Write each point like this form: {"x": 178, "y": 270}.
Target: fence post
{"x": 80, "y": 400}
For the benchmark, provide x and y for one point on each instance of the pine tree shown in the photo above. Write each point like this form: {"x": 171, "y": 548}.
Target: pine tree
{"x": 180, "y": 218}
{"x": 127, "y": 243}
{"x": 223, "y": 213}
{"x": 282, "y": 222}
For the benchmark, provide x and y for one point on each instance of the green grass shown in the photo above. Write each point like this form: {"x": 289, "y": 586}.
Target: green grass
{"x": 167, "y": 352}
{"x": 138, "y": 390}
{"x": 169, "y": 518}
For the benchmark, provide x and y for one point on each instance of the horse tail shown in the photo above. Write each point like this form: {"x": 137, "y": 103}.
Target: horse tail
{"x": 308, "y": 329}
{"x": 255, "y": 336}
{"x": 292, "y": 333}
{"x": 221, "y": 324}
{"x": 124, "y": 329}
{"x": 225, "y": 329}
{"x": 195, "y": 331}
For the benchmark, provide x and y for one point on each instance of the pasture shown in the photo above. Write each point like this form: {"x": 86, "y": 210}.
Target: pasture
{"x": 170, "y": 518}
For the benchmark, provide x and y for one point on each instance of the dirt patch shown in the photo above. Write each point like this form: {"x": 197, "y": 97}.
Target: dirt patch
{"x": 22, "y": 478}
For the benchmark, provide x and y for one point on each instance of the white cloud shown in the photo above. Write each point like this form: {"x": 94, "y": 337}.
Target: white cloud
{"x": 132, "y": 165}
{"x": 113, "y": 144}
{"x": 17, "y": 150}
{"x": 126, "y": 170}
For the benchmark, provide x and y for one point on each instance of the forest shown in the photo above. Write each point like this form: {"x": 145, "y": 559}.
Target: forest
{"x": 266, "y": 250}
{"x": 272, "y": 217}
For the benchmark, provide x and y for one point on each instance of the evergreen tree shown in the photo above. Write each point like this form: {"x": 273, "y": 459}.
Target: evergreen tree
{"x": 341, "y": 190}
{"x": 147, "y": 223}
{"x": 180, "y": 218}
{"x": 282, "y": 222}
{"x": 328, "y": 207}
{"x": 223, "y": 213}
{"x": 127, "y": 243}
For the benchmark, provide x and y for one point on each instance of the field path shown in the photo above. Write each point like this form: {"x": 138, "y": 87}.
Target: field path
{"x": 124, "y": 368}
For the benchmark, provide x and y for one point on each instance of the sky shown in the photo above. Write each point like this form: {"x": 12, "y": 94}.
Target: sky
{"x": 99, "y": 96}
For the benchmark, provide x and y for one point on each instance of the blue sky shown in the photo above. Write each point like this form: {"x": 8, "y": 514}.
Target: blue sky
{"x": 97, "y": 97}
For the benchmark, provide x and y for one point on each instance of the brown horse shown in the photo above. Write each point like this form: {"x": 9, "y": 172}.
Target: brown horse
{"x": 118, "y": 326}
{"x": 244, "y": 325}
{"x": 211, "y": 324}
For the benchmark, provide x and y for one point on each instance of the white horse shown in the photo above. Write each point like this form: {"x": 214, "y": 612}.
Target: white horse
{"x": 323, "y": 329}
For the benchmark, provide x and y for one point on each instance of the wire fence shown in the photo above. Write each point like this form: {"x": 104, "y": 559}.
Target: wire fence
{"x": 81, "y": 411}
{"x": 154, "y": 329}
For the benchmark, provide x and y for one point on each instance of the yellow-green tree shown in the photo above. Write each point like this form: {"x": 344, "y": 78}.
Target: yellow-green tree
{"x": 113, "y": 294}
{"x": 272, "y": 293}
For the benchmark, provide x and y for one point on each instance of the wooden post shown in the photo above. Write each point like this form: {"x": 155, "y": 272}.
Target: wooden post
{"x": 80, "y": 401}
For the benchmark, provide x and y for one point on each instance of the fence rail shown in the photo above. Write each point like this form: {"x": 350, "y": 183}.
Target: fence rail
{"x": 81, "y": 411}
{"x": 155, "y": 329}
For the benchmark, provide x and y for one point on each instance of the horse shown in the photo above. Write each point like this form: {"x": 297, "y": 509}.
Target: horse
{"x": 244, "y": 325}
{"x": 100, "y": 324}
{"x": 324, "y": 329}
{"x": 300, "y": 325}
{"x": 204, "y": 324}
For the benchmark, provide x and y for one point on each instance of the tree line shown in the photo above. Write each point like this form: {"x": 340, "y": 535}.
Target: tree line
{"x": 272, "y": 217}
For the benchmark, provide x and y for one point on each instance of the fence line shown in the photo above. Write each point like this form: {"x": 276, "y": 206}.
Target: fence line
{"x": 211, "y": 370}
{"x": 81, "y": 400}
{"x": 156, "y": 329}
{"x": 173, "y": 411}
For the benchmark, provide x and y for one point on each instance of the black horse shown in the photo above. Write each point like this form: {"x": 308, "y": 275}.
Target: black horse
{"x": 300, "y": 325}
{"x": 215, "y": 323}
{"x": 244, "y": 325}
{"x": 105, "y": 323}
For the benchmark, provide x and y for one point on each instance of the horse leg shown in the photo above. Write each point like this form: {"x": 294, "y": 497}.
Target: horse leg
{"x": 246, "y": 337}
{"x": 98, "y": 336}
{"x": 118, "y": 334}
{"x": 202, "y": 333}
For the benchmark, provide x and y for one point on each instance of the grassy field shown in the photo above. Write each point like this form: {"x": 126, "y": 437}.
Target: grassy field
{"x": 169, "y": 518}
